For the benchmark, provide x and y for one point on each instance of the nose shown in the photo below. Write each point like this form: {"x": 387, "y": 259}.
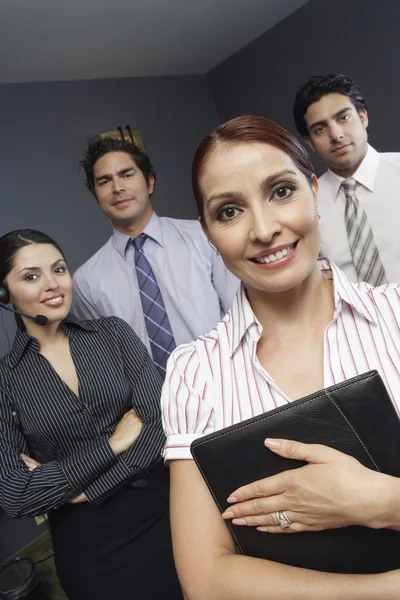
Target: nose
{"x": 336, "y": 133}
{"x": 117, "y": 186}
{"x": 50, "y": 283}
{"x": 265, "y": 226}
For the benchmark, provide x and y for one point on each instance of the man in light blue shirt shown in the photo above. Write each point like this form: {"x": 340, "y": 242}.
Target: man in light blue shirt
{"x": 196, "y": 288}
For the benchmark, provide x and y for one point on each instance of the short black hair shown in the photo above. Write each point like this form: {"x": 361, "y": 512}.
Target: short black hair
{"x": 102, "y": 146}
{"x": 319, "y": 86}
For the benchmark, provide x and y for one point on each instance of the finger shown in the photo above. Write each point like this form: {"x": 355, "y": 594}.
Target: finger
{"x": 270, "y": 486}
{"x": 268, "y": 520}
{"x": 255, "y": 508}
{"x": 311, "y": 453}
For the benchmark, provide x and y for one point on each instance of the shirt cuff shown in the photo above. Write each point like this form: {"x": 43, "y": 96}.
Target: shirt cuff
{"x": 88, "y": 464}
{"x": 178, "y": 446}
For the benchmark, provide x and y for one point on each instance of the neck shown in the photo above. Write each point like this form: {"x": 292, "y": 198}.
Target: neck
{"x": 136, "y": 226}
{"x": 294, "y": 310}
{"x": 349, "y": 172}
{"x": 47, "y": 334}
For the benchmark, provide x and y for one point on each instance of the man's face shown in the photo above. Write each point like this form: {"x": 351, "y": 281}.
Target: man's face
{"x": 337, "y": 132}
{"x": 121, "y": 189}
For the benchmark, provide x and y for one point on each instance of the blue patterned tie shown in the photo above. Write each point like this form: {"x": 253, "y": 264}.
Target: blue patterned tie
{"x": 158, "y": 326}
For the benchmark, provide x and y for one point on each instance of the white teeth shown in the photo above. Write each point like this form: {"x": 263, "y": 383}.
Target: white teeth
{"x": 54, "y": 300}
{"x": 273, "y": 257}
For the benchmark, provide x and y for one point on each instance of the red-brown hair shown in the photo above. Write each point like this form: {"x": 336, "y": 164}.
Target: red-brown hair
{"x": 247, "y": 128}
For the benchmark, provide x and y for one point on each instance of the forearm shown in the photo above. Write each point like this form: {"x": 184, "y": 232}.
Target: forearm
{"x": 235, "y": 577}
{"x": 28, "y": 494}
{"x": 109, "y": 483}
{"x": 385, "y": 500}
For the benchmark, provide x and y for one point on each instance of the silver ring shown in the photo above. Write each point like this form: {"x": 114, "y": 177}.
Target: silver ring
{"x": 283, "y": 519}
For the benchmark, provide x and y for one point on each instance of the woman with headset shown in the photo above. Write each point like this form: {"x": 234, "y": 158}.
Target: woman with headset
{"x": 81, "y": 434}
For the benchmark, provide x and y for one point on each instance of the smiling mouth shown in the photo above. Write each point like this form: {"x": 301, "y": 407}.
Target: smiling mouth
{"x": 55, "y": 300}
{"x": 274, "y": 256}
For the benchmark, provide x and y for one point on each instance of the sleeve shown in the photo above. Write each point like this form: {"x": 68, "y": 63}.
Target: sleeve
{"x": 225, "y": 283}
{"x": 186, "y": 412}
{"x": 82, "y": 306}
{"x": 145, "y": 383}
{"x": 26, "y": 493}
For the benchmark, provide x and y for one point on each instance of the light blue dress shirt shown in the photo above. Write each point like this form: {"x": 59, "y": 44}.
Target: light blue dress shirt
{"x": 196, "y": 286}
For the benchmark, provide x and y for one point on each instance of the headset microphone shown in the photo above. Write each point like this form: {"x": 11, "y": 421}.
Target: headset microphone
{"x": 39, "y": 319}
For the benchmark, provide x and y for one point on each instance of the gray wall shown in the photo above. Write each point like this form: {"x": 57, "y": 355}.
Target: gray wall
{"x": 357, "y": 37}
{"x": 44, "y": 130}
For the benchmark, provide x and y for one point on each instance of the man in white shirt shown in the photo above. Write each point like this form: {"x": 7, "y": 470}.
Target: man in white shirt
{"x": 358, "y": 198}
{"x": 158, "y": 274}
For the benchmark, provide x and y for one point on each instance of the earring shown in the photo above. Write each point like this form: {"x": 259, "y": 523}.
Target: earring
{"x": 319, "y": 217}
{"x": 213, "y": 247}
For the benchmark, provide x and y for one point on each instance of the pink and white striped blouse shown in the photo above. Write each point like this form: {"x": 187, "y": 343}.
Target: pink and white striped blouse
{"x": 217, "y": 380}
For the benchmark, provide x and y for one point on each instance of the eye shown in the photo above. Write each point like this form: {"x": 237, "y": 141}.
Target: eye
{"x": 319, "y": 129}
{"x": 61, "y": 270}
{"x": 102, "y": 182}
{"x": 345, "y": 117}
{"x": 30, "y": 277}
{"x": 226, "y": 213}
{"x": 283, "y": 191}
{"x": 127, "y": 175}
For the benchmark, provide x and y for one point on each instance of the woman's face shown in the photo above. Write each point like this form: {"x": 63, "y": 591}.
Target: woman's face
{"x": 39, "y": 282}
{"x": 261, "y": 214}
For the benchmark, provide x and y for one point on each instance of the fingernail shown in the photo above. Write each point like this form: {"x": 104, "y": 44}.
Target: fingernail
{"x": 263, "y": 529}
{"x": 270, "y": 443}
{"x": 232, "y": 499}
{"x": 228, "y": 514}
{"x": 239, "y": 522}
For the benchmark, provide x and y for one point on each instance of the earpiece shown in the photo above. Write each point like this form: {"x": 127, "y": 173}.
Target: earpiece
{"x": 4, "y": 295}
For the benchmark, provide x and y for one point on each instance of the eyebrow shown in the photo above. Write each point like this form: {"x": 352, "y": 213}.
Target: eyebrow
{"x": 38, "y": 268}
{"x": 265, "y": 184}
{"x": 109, "y": 176}
{"x": 339, "y": 112}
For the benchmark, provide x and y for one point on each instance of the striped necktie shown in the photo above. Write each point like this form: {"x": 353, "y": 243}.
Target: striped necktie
{"x": 159, "y": 330}
{"x": 363, "y": 249}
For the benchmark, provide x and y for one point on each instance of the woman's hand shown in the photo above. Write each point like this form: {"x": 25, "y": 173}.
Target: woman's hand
{"x": 78, "y": 499}
{"x": 127, "y": 432}
{"x": 333, "y": 490}
{"x": 32, "y": 464}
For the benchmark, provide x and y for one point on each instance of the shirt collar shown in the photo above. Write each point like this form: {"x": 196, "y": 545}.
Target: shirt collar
{"x": 365, "y": 174}
{"x": 23, "y": 340}
{"x": 153, "y": 230}
{"x": 356, "y": 295}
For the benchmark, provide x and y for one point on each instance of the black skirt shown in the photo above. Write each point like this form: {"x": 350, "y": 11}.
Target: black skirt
{"x": 121, "y": 550}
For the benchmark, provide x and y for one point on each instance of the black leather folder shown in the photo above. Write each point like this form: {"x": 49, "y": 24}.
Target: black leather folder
{"x": 356, "y": 417}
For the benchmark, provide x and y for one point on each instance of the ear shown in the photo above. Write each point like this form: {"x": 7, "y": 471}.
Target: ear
{"x": 364, "y": 117}
{"x": 309, "y": 143}
{"x": 150, "y": 185}
{"x": 315, "y": 188}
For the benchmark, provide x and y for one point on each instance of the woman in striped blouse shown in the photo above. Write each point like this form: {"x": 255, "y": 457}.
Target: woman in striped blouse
{"x": 298, "y": 325}
{"x": 80, "y": 433}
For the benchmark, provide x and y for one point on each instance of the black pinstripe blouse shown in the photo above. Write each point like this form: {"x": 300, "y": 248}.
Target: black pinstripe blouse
{"x": 68, "y": 434}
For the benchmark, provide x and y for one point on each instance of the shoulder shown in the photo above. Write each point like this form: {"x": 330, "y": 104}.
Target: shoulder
{"x": 92, "y": 262}
{"x": 390, "y": 159}
{"x": 386, "y": 301}
{"x": 201, "y": 353}
{"x": 183, "y": 227}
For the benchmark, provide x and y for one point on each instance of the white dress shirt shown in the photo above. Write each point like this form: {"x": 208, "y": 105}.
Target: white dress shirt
{"x": 196, "y": 287}
{"x": 378, "y": 191}
{"x": 218, "y": 380}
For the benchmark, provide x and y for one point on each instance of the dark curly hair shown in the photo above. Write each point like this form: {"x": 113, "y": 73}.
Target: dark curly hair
{"x": 103, "y": 146}
{"x": 319, "y": 86}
